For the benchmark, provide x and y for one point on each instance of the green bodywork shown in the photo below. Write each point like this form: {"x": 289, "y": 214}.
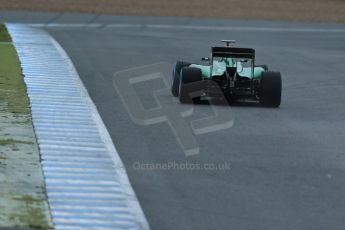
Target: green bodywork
{"x": 219, "y": 68}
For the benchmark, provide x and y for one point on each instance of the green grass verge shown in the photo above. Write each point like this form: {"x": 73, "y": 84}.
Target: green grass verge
{"x": 12, "y": 142}
{"x": 4, "y": 36}
{"x": 12, "y": 87}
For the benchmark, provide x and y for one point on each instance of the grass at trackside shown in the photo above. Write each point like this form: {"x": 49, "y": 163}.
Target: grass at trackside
{"x": 12, "y": 141}
{"x": 4, "y": 36}
{"x": 12, "y": 87}
{"x": 22, "y": 199}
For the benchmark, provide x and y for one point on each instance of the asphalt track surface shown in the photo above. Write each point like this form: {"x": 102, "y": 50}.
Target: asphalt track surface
{"x": 287, "y": 164}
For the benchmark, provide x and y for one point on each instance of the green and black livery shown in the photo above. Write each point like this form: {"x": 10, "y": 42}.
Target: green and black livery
{"x": 230, "y": 73}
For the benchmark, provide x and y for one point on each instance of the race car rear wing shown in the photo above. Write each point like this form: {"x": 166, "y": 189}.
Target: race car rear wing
{"x": 233, "y": 52}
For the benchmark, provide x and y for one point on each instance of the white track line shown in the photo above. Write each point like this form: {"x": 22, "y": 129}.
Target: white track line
{"x": 195, "y": 27}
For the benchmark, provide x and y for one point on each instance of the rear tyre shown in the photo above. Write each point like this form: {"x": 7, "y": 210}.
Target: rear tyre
{"x": 190, "y": 85}
{"x": 270, "y": 89}
{"x": 176, "y": 77}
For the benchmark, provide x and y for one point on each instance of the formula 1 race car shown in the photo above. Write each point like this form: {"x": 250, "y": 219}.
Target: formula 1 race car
{"x": 231, "y": 73}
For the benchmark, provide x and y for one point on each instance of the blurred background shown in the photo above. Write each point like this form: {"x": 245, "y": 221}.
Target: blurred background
{"x": 292, "y": 10}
